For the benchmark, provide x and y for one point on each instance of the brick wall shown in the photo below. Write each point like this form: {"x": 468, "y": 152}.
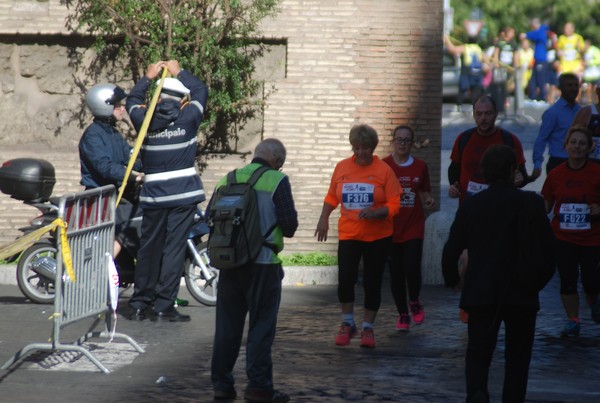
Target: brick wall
{"x": 375, "y": 62}
{"x": 352, "y": 61}
{"x": 32, "y": 17}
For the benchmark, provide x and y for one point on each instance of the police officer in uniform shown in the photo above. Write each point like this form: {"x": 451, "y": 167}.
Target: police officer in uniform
{"x": 104, "y": 155}
{"x": 172, "y": 187}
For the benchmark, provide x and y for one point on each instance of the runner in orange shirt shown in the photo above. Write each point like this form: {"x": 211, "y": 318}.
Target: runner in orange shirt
{"x": 369, "y": 194}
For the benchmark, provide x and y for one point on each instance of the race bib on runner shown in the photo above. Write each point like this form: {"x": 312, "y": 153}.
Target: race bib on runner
{"x": 408, "y": 197}
{"x": 474, "y": 187}
{"x": 570, "y": 54}
{"x": 357, "y": 196}
{"x": 574, "y": 216}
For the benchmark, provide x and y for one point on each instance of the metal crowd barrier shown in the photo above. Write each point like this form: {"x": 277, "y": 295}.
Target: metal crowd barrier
{"x": 89, "y": 217}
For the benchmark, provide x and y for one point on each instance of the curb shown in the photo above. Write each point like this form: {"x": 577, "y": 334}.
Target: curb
{"x": 294, "y": 275}
{"x": 310, "y": 275}
{"x": 8, "y": 274}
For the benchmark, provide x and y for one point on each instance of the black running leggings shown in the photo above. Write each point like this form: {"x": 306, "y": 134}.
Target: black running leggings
{"x": 405, "y": 272}
{"x": 374, "y": 255}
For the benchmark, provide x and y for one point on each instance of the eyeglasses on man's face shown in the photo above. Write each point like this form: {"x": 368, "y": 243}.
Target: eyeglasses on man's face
{"x": 399, "y": 140}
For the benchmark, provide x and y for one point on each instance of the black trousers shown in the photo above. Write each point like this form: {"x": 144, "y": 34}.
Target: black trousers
{"x": 161, "y": 256}
{"x": 256, "y": 290}
{"x": 484, "y": 325}
{"x": 405, "y": 272}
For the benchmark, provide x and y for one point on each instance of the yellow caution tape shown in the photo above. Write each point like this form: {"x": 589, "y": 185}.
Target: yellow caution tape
{"x": 142, "y": 133}
{"x": 24, "y": 242}
{"x": 66, "y": 249}
{"x": 27, "y": 240}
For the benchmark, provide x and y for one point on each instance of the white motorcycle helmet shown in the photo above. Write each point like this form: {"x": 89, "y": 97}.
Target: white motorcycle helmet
{"x": 101, "y": 99}
{"x": 173, "y": 88}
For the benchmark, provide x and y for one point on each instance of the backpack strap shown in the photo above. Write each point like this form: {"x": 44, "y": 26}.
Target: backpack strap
{"x": 257, "y": 174}
{"x": 464, "y": 139}
{"x": 232, "y": 178}
{"x": 252, "y": 181}
{"x": 507, "y": 138}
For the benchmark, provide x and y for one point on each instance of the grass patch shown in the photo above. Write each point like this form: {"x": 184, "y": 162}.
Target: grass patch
{"x": 309, "y": 259}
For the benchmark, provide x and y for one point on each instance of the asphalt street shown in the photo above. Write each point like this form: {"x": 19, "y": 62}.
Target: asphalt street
{"x": 422, "y": 365}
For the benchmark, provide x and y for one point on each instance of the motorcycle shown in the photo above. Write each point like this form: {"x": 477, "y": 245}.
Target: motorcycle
{"x": 36, "y": 269}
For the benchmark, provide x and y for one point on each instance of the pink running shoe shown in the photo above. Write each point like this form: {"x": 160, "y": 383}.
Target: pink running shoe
{"x": 403, "y": 322}
{"x": 418, "y": 314}
{"x": 344, "y": 335}
{"x": 367, "y": 338}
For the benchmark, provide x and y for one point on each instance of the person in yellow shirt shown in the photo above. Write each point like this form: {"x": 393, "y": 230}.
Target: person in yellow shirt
{"x": 591, "y": 72}
{"x": 570, "y": 47}
{"x": 474, "y": 66}
{"x": 525, "y": 62}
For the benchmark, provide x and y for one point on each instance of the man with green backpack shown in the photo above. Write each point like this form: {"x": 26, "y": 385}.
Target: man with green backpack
{"x": 249, "y": 279}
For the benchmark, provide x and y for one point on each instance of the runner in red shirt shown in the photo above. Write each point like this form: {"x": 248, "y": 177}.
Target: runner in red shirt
{"x": 464, "y": 172}
{"x": 572, "y": 193}
{"x": 409, "y": 227}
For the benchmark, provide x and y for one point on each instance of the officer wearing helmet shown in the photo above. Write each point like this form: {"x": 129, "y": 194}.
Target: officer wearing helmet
{"x": 104, "y": 155}
{"x": 103, "y": 151}
{"x": 172, "y": 187}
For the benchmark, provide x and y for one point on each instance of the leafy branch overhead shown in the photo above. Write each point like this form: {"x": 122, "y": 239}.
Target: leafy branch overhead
{"x": 218, "y": 40}
{"x": 498, "y": 14}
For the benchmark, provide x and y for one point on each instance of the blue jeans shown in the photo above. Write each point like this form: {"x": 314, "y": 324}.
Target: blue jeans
{"x": 538, "y": 81}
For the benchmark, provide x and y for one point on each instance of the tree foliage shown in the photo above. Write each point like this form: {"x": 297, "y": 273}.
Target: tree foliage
{"x": 217, "y": 40}
{"x": 497, "y": 14}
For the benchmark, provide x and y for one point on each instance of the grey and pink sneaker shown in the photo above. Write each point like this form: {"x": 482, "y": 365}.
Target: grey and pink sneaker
{"x": 417, "y": 311}
{"x": 403, "y": 322}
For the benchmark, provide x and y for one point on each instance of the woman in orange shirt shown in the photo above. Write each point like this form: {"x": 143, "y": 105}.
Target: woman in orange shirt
{"x": 369, "y": 194}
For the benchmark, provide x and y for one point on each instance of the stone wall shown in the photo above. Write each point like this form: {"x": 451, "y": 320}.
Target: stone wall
{"x": 345, "y": 62}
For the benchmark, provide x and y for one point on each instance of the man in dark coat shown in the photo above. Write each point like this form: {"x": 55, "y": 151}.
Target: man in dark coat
{"x": 487, "y": 225}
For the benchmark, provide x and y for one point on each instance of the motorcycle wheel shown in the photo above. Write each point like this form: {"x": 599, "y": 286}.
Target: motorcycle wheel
{"x": 202, "y": 290}
{"x": 34, "y": 286}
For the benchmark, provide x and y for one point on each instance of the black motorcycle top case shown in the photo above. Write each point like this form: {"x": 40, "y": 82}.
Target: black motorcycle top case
{"x": 27, "y": 179}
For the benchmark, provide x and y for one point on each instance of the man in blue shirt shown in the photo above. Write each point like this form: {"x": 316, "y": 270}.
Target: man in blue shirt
{"x": 556, "y": 120}
{"x": 541, "y": 69}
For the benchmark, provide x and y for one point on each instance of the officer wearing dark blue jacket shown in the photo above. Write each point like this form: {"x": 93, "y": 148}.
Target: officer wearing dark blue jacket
{"x": 172, "y": 187}
{"x": 103, "y": 151}
{"x": 104, "y": 154}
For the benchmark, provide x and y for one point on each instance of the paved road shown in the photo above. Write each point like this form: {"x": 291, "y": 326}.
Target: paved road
{"x": 423, "y": 365}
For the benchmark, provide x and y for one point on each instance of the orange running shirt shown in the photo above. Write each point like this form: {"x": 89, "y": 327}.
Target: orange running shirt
{"x": 355, "y": 187}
